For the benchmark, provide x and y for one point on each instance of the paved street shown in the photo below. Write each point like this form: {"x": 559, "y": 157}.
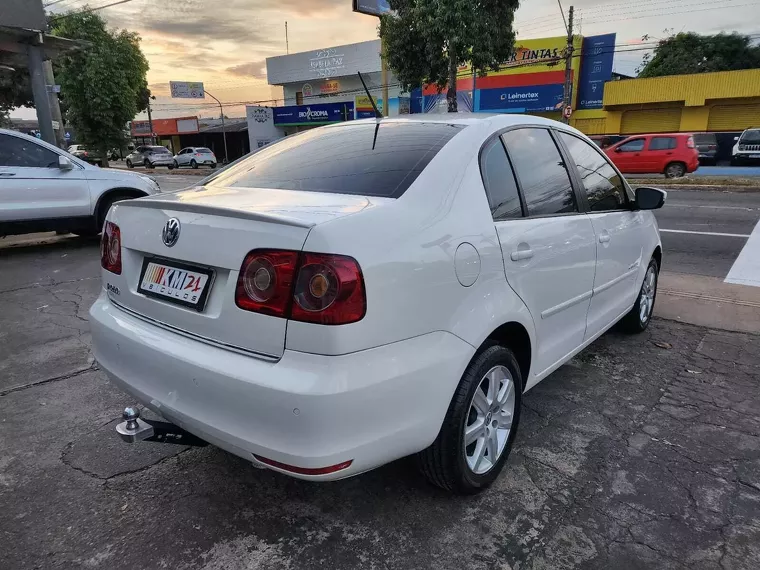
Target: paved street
{"x": 643, "y": 452}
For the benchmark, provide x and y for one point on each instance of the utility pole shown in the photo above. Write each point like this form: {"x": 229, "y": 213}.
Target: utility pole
{"x": 287, "y": 47}
{"x": 224, "y": 131}
{"x": 150, "y": 121}
{"x": 55, "y": 108}
{"x": 568, "y": 91}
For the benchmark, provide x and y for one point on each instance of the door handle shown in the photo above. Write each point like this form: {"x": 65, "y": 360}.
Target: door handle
{"x": 520, "y": 254}
{"x": 604, "y": 238}
{"x": 7, "y": 174}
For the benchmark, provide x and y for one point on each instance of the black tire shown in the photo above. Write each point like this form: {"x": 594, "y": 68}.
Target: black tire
{"x": 675, "y": 170}
{"x": 193, "y": 164}
{"x": 129, "y": 164}
{"x": 103, "y": 208}
{"x": 213, "y": 166}
{"x": 170, "y": 167}
{"x": 634, "y": 322}
{"x": 444, "y": 463}
{"x": 175, "y": 164}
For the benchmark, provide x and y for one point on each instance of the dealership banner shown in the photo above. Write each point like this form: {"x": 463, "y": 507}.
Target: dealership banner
{"x": 520, "y": 99}
{"x": 596, "y": 68}
{"x": 313, "y": 114}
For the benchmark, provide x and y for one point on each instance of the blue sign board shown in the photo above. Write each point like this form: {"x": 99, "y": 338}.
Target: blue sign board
{"x": 596, "y": 68}
{"x": 320, "y": 113}
{"x": 520, "y": 99}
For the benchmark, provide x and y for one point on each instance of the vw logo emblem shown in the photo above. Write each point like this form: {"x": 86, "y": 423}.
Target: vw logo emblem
{"x": 170, "y": 233}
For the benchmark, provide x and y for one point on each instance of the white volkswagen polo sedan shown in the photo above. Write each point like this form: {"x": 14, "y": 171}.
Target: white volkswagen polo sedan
{"x": 361, "y": 292}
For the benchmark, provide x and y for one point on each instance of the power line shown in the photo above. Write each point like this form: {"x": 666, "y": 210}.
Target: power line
{"x": 88, "y": 10}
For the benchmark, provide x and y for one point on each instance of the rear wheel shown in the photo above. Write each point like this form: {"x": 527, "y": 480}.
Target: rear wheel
{"x": 675, "y": 170}
{"x": 147, "y": 164}
{"x": 129, "y": 164}
{"x": 480, "y": 425}
{"x": 193, "y": 164}
{"x": 637, "y": 319}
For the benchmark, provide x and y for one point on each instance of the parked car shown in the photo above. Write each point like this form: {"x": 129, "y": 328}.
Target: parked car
{"x": 361, "y": 292}
{"x": 707, "y": 147}
{"x": 150, "y": 157}
{"x": 195, "y": 156}
{"x": 84, "y": 153}
{"x": 43, "y": 188}
{"x": 603, "y": 141}
{"x": 672, "y": 154}
{"x": 746, "y": 149}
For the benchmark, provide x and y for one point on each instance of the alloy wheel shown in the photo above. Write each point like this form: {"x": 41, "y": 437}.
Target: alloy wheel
{"x": 489, "y": 420}
{"x": 648, "y": 290}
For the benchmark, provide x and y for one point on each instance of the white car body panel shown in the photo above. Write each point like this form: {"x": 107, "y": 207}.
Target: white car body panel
{"x": 28, "y": 193}
{"x": 377, "y": 389}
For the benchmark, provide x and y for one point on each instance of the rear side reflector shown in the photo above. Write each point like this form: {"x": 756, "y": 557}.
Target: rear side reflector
{"x": 317, "y": 288}
{"x": 110, "y": 248}
{"x": 690, "y": 142}
{"x": 305, "y": 470}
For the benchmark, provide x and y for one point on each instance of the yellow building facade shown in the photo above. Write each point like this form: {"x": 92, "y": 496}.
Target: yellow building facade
{"x": 703, "y": 102}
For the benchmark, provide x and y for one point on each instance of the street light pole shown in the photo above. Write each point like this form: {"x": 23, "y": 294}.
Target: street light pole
{"x": 224, "y": 131}
{"x": 568, "y": 91}
{"x": 150, "y": 120}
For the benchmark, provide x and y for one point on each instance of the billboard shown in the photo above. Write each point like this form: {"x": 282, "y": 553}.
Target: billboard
{"x": 372, "y": 7}
{"x": 324, "y": 64}
{"x": 520, "y": 99}
{"x": 363, "y": 107}
{"x": 187, "y": 90}
{"x": 25, "y": 14}
{"x": 596, "y": 68}
{"x": 313, "y": 114}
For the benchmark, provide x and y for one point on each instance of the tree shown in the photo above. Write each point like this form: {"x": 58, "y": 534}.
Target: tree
{"x": 686, "y": 53}
{"x": 427, "y": 40}
{"x": 104, "y": 85}
{"x": 15, "y": 91}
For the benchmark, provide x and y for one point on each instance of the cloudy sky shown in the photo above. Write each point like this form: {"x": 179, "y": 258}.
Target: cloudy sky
{"x": 224, "y": 43}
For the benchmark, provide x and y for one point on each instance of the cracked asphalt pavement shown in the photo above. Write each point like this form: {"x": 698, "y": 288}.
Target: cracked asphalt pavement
{"x": 641, "y": 453}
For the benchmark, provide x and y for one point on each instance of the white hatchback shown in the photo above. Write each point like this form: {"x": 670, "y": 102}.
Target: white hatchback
{"x": 361, "y": 292}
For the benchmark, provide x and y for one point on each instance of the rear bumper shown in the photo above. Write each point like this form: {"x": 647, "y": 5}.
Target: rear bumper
{"x": 305, "y": 410}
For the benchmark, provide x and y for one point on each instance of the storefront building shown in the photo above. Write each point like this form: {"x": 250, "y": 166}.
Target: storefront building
{"x": 321, "y": 87}
{"x": 166, "y": 132}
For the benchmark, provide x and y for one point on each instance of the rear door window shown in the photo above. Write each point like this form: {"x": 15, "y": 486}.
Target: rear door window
{"x": 662, "y": 143}
{"x": 371, "y": 159}
{"x": 499, "y": 182}
{"x": 541, "y": 171}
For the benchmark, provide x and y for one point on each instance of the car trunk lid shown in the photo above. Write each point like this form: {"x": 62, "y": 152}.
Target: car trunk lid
{"x": 217, "y": 228}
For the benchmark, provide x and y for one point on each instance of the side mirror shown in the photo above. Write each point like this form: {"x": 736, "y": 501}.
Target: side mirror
{"x": 736, "y": 138}
{"x": 618, "y": 149}
{"x": 64, "y": 163}
{"x": 650, "y": 198}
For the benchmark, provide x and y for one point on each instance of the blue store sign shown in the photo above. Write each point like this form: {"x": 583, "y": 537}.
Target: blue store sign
{"x": 596, "y": 68}
{"x": 321, "y": 113}
{"x": 520, "y": 99}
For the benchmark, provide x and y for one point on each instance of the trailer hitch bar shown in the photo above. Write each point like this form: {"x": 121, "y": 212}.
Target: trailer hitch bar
{"x": 134, "y": 428}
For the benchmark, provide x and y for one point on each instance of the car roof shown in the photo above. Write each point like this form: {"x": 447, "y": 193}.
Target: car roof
{"x": 498, "y": 119}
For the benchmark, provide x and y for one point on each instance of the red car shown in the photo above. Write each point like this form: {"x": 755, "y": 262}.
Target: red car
{"x": 671, "y": 154}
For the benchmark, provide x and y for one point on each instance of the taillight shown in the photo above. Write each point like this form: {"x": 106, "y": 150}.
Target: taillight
{"x": 197, "y": 154}
{"x": 690, "y": 142}
{"x": 110, "y": 248}
{"x": 318, "y": 288}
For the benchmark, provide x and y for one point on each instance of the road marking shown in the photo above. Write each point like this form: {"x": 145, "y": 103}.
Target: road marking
{"x": 746, "y": 268}
{"x": 710, "y": 207}
{"x": 712, "y": 298}
{"x": 706, "y": 233}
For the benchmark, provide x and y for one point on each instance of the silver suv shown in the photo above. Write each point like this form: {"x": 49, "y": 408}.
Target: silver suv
{"x": 44, "y": 188}
{"x": 150, "y": 157}
{"x": 746, "y": 149}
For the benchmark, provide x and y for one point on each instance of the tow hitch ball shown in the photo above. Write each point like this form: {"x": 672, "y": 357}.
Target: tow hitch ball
{"x": 134, "y": 428}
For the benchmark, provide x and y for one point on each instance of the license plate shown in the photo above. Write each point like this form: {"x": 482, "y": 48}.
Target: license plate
{"x": 176, "y": 282}
{"x": 754, "y": 155}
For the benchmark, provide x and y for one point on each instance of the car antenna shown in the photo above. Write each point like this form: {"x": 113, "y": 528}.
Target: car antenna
{"x": 378, "y": 114}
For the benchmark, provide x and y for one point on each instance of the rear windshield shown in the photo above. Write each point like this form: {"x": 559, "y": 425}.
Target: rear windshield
{"x": 702, "y": 138}
{"x": 158, "y": 149}
{"x": 202, "y": 150}
{"x": 368, "y": 159}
